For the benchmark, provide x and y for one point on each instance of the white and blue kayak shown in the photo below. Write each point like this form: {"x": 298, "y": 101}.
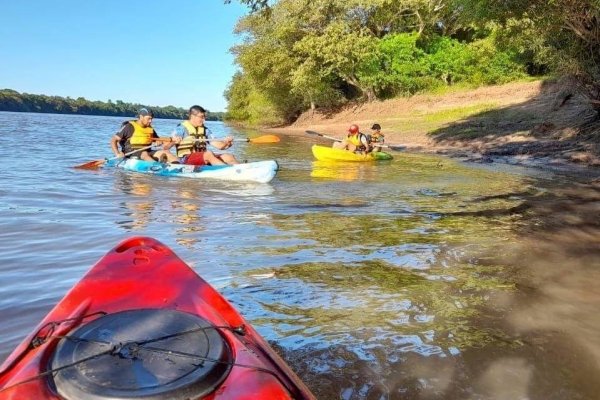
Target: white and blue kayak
{"x": 260, "y": 171}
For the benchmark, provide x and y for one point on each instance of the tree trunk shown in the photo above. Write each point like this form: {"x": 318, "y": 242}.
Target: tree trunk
{"x": 368, "y": 93}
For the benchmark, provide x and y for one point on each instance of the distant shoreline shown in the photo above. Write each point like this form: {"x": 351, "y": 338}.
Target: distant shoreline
{"x": 11, "y": 100}
{"x": 213, "y": 119}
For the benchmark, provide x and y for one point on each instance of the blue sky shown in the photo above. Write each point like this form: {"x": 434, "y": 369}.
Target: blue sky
{"x": 151, "y": 52}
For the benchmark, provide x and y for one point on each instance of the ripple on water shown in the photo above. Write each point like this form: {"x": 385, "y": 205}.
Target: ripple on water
{"x": 374, "y": 281}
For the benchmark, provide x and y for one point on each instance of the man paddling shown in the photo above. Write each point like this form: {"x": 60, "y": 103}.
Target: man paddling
{"x": 191, "y": 138}
{"x": 139, "y": 134}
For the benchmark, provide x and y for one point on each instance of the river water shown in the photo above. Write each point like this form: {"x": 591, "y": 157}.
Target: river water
{"x": 419, "y": 278}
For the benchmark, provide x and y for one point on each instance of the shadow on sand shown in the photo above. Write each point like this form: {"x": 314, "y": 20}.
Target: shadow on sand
{"x": 556, "y": 124}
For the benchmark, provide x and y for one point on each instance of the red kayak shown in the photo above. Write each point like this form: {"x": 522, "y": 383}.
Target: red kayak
{"x": 141, "y": 324}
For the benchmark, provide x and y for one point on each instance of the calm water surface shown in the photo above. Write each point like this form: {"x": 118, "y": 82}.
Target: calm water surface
{"x": 419, "y": 278}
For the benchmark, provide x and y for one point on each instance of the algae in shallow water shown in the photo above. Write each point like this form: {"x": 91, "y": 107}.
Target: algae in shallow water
{"x": 355, "y": 298}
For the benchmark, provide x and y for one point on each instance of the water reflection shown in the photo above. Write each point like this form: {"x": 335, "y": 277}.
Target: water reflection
{"x": 240, "y": 189}
{"x": 336, "y": 170}
{"x": 138, "y": 207}
{"x": 186, "y": 216}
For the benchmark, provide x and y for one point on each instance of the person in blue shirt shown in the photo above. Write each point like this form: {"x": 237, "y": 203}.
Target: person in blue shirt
{"x": 191, "y": 139}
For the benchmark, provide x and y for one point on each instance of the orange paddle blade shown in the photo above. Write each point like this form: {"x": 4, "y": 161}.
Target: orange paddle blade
{"x": 91, "y": 164}
{"x": 265, "y": 139}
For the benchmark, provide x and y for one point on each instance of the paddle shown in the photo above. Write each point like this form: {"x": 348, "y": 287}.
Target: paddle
{"x": 259, "y": 139}
{"x": 262, "y": 139}
{"x": 389, "y": 146}
{"x": 98, "y": 163}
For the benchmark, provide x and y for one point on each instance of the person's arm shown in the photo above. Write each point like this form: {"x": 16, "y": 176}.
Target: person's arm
{"x": 114, "y": 145}
{"x": 175, "y": 139}
{"x": 221, "y": 144}
{"x": 345, "y": 144}
{"x": 124, "y": 133}
{"x": 366, "y": 142}
{"x": 154, "y": 136}
{"x": 348, "y": 145}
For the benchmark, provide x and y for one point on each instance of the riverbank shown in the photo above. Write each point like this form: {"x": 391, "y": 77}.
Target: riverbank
{"x": 531, "y": 123}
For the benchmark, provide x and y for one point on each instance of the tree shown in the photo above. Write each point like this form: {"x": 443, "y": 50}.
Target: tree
{"x": 304, "y": 53}
{"x": 255, "y": 5}
{"x": 267, "y": 61}
{"x": 11, "y": 100}
{"x": 342, "y": 52}
{"x": 566, "y": 33}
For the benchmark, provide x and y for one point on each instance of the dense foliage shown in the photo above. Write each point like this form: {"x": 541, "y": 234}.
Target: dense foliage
{"x": 303, "y": 54}
{"x": 323, "y": 53}
{"x": 563, "y": 35}
{"x": 11, "y": 100}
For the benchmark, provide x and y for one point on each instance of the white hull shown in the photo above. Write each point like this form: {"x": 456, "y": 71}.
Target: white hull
{"x": 260, "y": 171}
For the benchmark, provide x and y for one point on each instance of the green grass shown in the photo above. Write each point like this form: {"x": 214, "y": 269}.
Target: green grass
{"x": 430, "y": 122}
{"x": 458, "y": 113}
{"x": 466, "y": 87}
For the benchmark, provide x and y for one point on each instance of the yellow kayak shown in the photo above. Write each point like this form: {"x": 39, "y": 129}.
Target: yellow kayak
{"x": 323, "y": 153}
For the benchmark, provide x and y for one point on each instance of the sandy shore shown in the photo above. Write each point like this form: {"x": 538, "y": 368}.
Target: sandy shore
{"x": 522, "y": 123}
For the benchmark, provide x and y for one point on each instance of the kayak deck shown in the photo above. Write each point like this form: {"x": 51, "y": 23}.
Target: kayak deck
{"x": 159, "y": 330}
{"x": 323, "y": 153}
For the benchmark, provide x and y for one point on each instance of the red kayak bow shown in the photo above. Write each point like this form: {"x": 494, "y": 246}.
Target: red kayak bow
{"x": 141, "y": 324}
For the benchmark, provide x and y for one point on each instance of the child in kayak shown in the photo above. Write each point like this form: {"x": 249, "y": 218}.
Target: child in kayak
{"x": 355, "y": 142}
{"x": 376, "y": 137}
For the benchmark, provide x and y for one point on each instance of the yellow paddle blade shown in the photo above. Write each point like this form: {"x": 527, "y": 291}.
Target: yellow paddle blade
{"x": 265, "y": 139}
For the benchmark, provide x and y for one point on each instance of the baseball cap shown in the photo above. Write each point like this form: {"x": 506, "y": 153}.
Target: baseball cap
{"x": 145, "y": 111}
{"x": 376, "y": 127}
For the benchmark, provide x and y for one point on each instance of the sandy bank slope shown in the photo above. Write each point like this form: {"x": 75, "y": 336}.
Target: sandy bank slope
{"x": 523, "y": 121}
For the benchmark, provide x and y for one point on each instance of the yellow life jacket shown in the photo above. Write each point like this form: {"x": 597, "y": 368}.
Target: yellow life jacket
{"x": 357, "y": 141}
{"x": 141, "y": 137}
{"x": 194, "y": 141}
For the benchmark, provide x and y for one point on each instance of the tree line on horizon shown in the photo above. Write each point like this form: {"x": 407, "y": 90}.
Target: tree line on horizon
{"x": 298, "y": 55}
{"x": 11, "y": 100}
